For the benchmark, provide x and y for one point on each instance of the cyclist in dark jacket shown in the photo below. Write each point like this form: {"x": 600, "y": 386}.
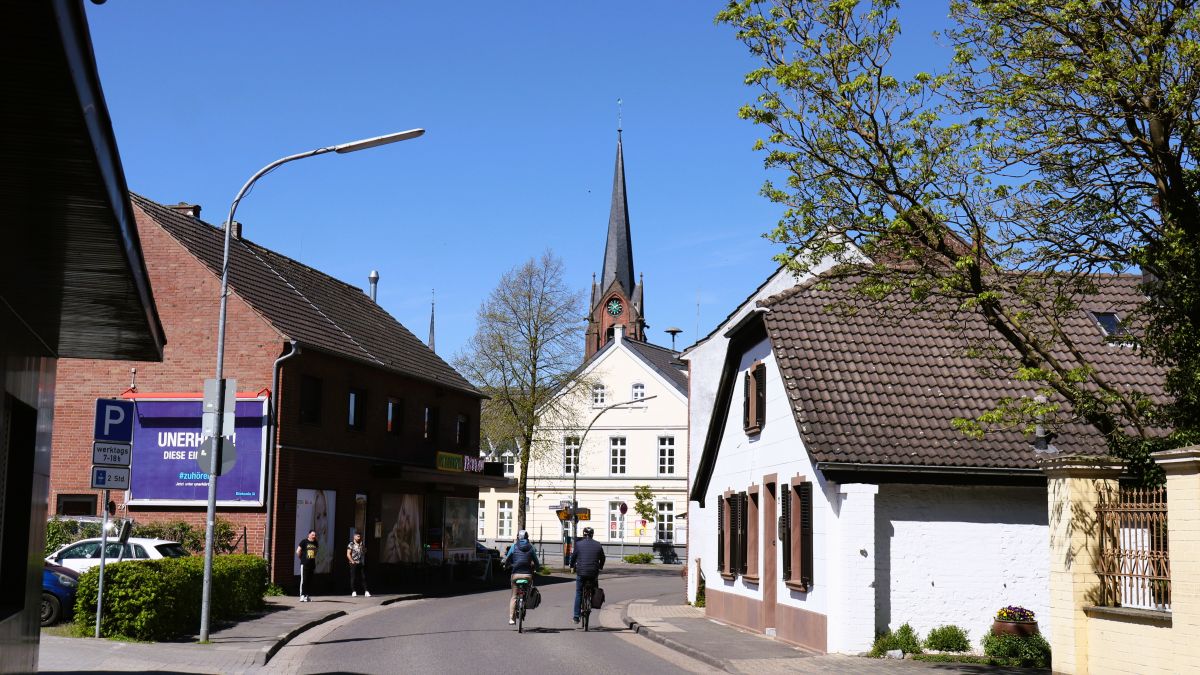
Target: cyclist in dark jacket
{"x": 523, "y": 560}
{"x": 587, "y": 560}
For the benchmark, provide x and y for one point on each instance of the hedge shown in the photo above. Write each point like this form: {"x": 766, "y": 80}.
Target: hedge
{"x": 160, "y": 599}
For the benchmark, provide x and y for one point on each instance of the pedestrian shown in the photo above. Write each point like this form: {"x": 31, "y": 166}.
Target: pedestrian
{"x": 306, "y": 551}
{"x": 356, "y": 554}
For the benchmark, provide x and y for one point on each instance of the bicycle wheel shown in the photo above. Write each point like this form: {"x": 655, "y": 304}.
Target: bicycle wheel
{"x": 521, "y": 614}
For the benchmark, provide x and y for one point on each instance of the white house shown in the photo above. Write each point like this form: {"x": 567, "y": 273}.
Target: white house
{"x": 833, "y": 499}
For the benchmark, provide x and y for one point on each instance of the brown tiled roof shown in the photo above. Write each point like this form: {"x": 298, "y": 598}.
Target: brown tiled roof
{"x": 306, "y": 305}
{"x": 882, "y": 387}
{"x": 662, "y": 360}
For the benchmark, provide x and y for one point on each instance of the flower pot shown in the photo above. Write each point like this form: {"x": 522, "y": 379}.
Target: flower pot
{"x": 1018, "y": 628}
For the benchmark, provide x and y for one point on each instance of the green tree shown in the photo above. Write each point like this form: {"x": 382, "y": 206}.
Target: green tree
{"x": 1057, "y": 143}
{"x": 527, "y": 346}
{"x": 643, "y": 504}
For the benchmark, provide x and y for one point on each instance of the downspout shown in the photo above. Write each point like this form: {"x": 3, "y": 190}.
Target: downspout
{"x": 272, "y": 455}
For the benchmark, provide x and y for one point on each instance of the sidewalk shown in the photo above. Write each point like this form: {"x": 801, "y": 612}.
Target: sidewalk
{"x": 687, "y": 630}
{"x": 241, "y": 647}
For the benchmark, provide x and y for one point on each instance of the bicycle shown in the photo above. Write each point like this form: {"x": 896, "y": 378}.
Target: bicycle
{"x": 585, "y": 602}
{"x": 522, "y": 592}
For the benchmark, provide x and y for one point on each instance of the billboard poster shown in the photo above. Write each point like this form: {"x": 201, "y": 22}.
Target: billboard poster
{"x": 402, "y": 522}
{"x": 166, "y": 444}
{"x": 315, "y": 511}
{"x": 461, "y": 518}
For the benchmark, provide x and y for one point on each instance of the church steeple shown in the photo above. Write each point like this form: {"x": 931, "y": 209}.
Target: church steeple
{"x": 618, "y": 250}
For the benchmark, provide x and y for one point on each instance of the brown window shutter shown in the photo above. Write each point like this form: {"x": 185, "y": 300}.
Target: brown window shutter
{"x": 806, "y": 533}
{"x": 785, "y": 529}
{"x": 721, "y": 534}
{"x": 743, "y": 534}
{"x": 760, "y": 395}
{"x": 747, "y": 397}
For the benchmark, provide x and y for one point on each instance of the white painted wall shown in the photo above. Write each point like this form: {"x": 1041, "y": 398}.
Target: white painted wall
{"x": 955, "y": 555}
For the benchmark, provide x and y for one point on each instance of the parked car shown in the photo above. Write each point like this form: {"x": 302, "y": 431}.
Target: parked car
{"x": 58, "y": 592}
{"x": 85, "y": 553}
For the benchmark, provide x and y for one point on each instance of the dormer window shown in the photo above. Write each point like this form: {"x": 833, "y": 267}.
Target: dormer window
{"x": 1111, "y": 325}
{"x": 754, "y": 401}
{"x": 639, "y": 391}
{"x": 598, "y": 396}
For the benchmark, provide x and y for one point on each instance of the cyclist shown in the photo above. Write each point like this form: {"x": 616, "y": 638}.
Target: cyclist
{"x": 587, "y": 560}
{"x": 523, "y": 560}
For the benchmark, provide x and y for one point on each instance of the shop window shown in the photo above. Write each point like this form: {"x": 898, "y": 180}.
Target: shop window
{"x": 460, "y": 431}
{"x": 356, "y": 405}
{"x": 639, "y": 391}
{"x": 796, "y": 528}
{"x": 616, "y": 452}
{"x": 431, "y": 423}
{"x": 75, "y": 505}
{"x": 570, "y": 455}
{"x": 504, "y": 519}
{"x": 754, "y": 398}
{"x": 666, "y": 455}
{"x": 598, "y": 394}
{"x": 310, "y": 399}
{"x": 665, "y": 522}
{"x": 395, "y": 416}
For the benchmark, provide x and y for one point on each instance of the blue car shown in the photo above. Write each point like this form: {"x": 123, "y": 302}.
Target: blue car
{"x": 58, "y": 592}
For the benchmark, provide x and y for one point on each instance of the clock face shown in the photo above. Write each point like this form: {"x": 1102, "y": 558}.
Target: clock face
{"x": 614, "y": 307}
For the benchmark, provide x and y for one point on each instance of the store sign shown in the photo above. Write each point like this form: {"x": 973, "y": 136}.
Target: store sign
{"x": 166, "y": 444}
{"x": 449, "y": 461}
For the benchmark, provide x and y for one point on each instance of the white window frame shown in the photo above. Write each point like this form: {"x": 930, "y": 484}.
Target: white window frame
{"x": 510, "y": 463}
{"x": 504, "y": 519}
{"x": 570, "y": 455}
{"x": 666, "y": 455}
{"x": 482, "y": 519}
{"x": 664, "y": 521}
{"x": 618, "y": 455}
{"x": 615, "y": 516}
{"x": 599, "y": 394}
{"x": 638, "y": 391}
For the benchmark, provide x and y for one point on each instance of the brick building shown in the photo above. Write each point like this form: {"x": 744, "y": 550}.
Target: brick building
{"x": 371, "y": 431}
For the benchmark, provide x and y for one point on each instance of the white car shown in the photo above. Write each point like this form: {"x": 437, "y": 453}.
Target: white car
{"x": 85, "y": 553}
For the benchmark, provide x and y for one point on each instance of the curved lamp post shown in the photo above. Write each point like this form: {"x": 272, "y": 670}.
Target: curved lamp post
{"x": 343, "y": 148}
{"x": 578, "y": 457}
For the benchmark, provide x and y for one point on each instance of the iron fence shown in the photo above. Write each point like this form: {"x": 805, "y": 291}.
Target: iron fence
{"x": 1135, "y": 566}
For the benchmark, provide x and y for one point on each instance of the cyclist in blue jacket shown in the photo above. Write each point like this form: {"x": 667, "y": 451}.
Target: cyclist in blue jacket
{"x": 523, "y": 560}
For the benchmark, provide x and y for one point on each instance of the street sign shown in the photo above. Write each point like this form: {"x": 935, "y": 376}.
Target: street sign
{"x": 563, "y": 514}
{"x": 111, "y": 454}
{"x": 114, "y": 420}
{"x": 212, "y": 399}
{"x": 583, "y": 513}
{"x": 208, "y": 451}
{"x": 110, "y": 478}
{"x": 624, "y": 508}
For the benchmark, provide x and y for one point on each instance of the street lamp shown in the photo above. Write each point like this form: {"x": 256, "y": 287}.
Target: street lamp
{"x": 343, "y": 148}
{"x": 576, "y": 460}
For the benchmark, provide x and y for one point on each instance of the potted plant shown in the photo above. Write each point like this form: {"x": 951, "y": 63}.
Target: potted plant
{"x": 1014, "y": 620}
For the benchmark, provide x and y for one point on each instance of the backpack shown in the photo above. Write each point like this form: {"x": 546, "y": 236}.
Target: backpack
{"x": 598, "y": 598}
{"x": 534, "y": 598}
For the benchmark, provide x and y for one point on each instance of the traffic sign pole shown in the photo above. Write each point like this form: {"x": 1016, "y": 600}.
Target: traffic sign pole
{"x": 103, "y": 555}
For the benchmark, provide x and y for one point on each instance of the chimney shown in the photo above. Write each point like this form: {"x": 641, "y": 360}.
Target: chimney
{"x": 619, "y": 332}
{"x": 189, "y": 210}
{"x": 1041, "y": 438}
{"x": 373, "y": 278}
{"x": 237, "y": 230}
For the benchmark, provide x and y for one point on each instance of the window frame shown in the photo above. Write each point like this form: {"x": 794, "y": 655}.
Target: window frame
{"x": 750, "y": 566}
{"x": 797, "y": 547}
{"x": 669, "y": 449}
{"x": 618, "y": 455}
{"x": 571, "y": 452}
{"x": 504, "y": 525}
{"x": 394, "y": 416}
{"x": 356, "y": 409}
{"x": 599, "y": 394}
{"x": 481, "y": 520}
{"x": 754, "y": 395}
{"x": 431, "y": 423}
{"x": 615, "y": 516}
{"x": 637, "y": 391}
{"x": 664, "y": 521}
{"x": 509, "y": 459}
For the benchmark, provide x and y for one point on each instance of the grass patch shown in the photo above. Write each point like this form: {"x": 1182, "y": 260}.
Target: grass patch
{"x": 966, "y": 658}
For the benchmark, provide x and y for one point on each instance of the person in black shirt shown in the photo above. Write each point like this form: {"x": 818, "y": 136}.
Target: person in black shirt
{"x": 306, "y": 551}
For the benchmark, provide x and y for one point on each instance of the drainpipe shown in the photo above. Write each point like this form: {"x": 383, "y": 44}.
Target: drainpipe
{"x": 272, "y": 454}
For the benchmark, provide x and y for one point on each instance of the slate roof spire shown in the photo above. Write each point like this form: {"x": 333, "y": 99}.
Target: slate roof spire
{"x": 618, "y": 250}
{"x": 432, "y": 310}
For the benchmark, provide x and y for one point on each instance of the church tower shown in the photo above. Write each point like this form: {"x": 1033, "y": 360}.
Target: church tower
{"x": 616, "y": 299}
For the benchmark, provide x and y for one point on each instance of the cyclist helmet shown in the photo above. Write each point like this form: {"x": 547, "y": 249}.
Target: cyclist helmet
{"x": 522, "y": 535}
{"x": 588, "y": 532}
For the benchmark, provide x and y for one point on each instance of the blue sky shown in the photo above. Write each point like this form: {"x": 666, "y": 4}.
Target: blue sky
{"x": 520, "y": 105}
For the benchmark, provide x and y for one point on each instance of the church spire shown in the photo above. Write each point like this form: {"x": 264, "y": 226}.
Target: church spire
{"x": 432, "y": 309}
{"x": 618, "y": 250}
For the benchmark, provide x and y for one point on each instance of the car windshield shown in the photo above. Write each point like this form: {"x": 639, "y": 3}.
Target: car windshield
{"x": 171, "y": 551}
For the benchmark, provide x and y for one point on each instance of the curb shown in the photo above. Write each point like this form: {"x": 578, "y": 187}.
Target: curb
{"x": 651, "y": 634}
{"x": 264, "y": 655}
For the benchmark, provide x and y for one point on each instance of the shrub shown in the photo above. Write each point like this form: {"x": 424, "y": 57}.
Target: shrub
{"x": 1032, "y": 651}
{"x": 700, "y": 601}
{"x": 160, "y": 599}
{"x": 59, "y": 533}
{"x": 948, "y": 639}
{"x": 639, "y": 558}
{"x": 903, "y": 638}
{"x": 190, "y": 536}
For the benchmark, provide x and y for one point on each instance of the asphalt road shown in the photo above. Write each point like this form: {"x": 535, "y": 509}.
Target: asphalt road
{"x": 470, "y": 634}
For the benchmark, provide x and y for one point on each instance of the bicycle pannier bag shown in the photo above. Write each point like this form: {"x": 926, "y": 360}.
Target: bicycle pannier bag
{"x": 534, "y": 599}
{"x": 598, "y": 598}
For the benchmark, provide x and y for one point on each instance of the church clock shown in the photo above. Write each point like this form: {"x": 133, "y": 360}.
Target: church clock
{"x": 614, "y": 307}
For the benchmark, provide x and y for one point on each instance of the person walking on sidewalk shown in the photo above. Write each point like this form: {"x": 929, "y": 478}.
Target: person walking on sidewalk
{"x": 356, "y": 554}
{"x": 306, "y": 551}
{"x": 587, "y": 560}
{"x": 523, "y": 560}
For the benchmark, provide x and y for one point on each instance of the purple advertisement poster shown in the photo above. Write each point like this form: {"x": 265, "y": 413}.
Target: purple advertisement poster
{"x": 166, "y": 443}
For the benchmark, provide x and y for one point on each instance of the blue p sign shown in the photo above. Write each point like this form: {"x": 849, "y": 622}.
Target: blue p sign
{"x": 114, "y": 420}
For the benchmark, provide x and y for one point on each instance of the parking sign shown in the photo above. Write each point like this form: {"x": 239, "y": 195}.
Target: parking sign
{"x": 114, "y": 420}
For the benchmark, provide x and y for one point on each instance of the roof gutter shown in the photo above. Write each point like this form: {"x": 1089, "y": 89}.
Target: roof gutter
{"x": 897, "y": 473}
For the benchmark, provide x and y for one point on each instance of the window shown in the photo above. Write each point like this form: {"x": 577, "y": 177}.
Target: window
{"x": 431, "y": 423}
{"x": 616, "y": 451}
{"x": 750, "y": 543}
{"x": 310, "y": 399}
{"x": 76, "y": 505}
{"x": 460, "y": 431}
{"x": 1112, "y": 327}
{"x": 732, "y": 534}
{"x": 570, "y": 455}
{"x": 666, "y": 455}
{"x": 754, "y": 395}
{"x": 395, "y": 416}
{"x": 795, "y": 509}
{"x": 616, "y": 522}
{"x": 666, "y": 521}
{"x": 504, "y": 519}
{"x": 639, "y": 391}
{"x": 510, "y": 463}
{"x": 355, "y": 406}
{"x": 482, "y": 520}
{"x": 598, "y": 394}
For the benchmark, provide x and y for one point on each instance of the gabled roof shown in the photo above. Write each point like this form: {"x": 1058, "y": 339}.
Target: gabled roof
{"x": 873, "y": 387}
{"x": 618, "y": 249}
{"x": 664, "y": 361}
{"x": 307, "y": 305}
